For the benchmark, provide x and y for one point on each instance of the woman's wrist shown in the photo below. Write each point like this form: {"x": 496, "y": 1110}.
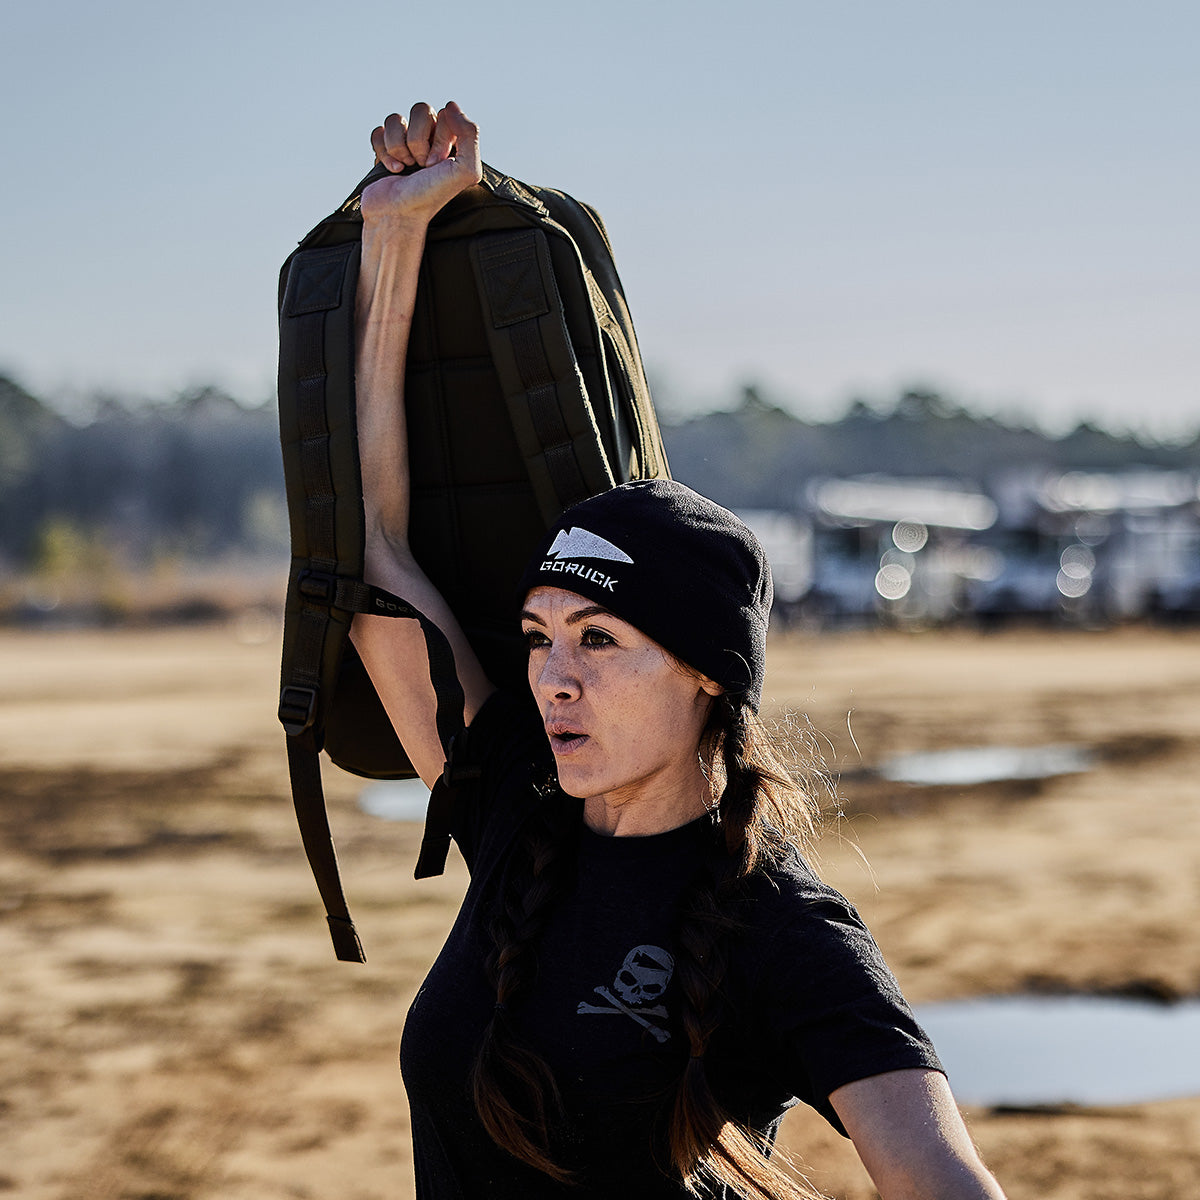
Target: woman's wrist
{"x": 395, "y": 224}
{"x": 393, "y": 238}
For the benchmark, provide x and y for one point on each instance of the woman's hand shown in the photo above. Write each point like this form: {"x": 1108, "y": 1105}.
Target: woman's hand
{"x": 444, "y": 145}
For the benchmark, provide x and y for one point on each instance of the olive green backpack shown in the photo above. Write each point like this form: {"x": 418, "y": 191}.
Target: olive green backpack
{"x": 524, "y": 393}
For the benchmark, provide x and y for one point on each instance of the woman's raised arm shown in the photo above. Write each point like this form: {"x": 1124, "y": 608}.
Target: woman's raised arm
{"x": 396, "y": 213}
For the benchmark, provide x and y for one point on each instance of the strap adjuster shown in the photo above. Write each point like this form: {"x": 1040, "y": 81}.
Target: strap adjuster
{"x": 458, "y": 767}
{"x": 317, "y": 586}
{"x": 297, "y": 709}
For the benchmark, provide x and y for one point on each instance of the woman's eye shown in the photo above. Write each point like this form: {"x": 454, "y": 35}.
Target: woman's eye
{"x": 597, "y": 637}
{"x": 534, "y": 638}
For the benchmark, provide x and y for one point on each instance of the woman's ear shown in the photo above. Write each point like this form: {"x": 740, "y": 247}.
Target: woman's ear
{"x": 711, "y": 687}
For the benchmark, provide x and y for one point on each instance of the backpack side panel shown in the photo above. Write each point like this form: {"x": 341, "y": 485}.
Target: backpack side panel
{"x": 318, "y": 439}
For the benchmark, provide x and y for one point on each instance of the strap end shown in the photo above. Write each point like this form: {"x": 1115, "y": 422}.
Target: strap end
{"x": 431, "y": 860}
{"x": 346, "y": 945}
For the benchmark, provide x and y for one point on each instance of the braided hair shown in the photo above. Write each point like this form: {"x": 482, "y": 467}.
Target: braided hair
{"x": 762, "y": 809}
{"x": 515, "y": 1092}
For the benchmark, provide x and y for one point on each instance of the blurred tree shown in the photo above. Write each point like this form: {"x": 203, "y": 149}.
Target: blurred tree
{"x": 202, "y": 474}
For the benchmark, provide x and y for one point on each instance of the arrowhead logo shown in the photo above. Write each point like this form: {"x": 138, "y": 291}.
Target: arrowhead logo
{"x": 572, "y": 544}
{"x": 579, "y": 543}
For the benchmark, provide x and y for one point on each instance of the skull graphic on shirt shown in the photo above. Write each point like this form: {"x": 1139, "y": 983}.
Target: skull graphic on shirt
{"x": 637, "y": 988}
{"x": 644, "y": 976}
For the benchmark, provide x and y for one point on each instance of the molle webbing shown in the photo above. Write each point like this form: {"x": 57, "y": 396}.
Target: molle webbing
{"x": 532, "y": 352}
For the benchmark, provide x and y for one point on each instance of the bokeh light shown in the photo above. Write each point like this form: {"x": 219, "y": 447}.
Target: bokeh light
{"x": 910, "y": 536}
{"x": 893, "y": 581}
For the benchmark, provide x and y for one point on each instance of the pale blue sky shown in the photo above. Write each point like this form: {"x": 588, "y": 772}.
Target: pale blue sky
{"x": 830, "y": 198}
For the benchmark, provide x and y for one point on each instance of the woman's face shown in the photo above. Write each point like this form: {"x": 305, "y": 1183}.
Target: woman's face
{"x": 624, "y": 717}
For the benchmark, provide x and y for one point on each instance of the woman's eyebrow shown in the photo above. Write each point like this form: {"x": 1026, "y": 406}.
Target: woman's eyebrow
{"x": 582, "y": 614}
{"x": 572, "y": 618}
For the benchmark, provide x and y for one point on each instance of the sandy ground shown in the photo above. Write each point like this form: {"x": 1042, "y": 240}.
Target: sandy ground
{"x": 173, "y": 1025}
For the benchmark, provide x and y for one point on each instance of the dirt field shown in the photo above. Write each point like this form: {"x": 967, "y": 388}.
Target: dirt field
{"x": 173, "y": 1025}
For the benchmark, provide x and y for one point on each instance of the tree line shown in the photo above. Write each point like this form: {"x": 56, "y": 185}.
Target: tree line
{"x": 200, "y": 476}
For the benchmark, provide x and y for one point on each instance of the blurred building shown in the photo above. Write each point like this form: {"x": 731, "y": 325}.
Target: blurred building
{"x": 896, "y": 549}
{"x": 1071, "y": 547}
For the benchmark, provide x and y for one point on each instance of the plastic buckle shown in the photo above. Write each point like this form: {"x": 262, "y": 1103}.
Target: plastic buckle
{"x": 455, "y": 770}
{"x": 297, "y": 709}
{"x": 316, "y": 585}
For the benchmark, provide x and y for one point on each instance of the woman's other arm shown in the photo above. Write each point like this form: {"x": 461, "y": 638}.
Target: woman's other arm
{"x": 911, "y": 1138}
{"x": 396, "y": 213}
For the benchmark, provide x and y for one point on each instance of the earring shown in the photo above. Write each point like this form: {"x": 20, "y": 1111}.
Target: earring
{"x": 712, "y": 802}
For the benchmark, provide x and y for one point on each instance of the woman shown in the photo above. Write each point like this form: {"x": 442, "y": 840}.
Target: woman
{"x": 644, "y": 973}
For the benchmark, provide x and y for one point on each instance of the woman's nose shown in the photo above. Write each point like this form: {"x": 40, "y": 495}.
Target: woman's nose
{"x": 559, "y": 677}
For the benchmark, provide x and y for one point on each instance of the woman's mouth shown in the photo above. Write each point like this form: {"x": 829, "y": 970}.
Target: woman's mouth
{"x": 564, "y": 740}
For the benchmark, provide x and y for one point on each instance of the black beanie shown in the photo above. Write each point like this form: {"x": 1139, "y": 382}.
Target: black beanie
{"x": 679, "y": 568}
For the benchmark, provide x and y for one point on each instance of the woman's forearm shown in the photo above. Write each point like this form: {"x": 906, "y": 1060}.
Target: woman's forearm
{"x": 396, "y": 212}
{"x": 387, "y": 291}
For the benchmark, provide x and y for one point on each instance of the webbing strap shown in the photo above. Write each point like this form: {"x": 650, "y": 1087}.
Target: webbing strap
{"x": 352, "y": 595}
{"x": 304, "y": 768}
{"x": 315, "y": 288}
{"x": 532, "y": 352}
{"x": 435, "y": 841}
{"x": 296, "y": 710}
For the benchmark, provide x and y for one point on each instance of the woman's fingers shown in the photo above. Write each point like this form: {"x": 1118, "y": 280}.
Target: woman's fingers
{"x": 390, "y": 143}
{"x": 426, "y": 139}
{"x": 395, "y": 136}
{"x": 454, "y": 132}
{"x": 379, "y": 145}
{"x": 421, "y": 122}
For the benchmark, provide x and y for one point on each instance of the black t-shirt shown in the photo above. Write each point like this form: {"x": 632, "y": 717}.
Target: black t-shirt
{"x": 809, "y": 1003}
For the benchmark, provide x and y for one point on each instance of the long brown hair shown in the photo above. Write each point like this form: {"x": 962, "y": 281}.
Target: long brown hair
{"x": 764, "y": 806}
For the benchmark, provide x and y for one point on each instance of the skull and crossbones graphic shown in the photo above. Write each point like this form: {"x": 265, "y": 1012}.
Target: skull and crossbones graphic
{"x": 640, "y": 982}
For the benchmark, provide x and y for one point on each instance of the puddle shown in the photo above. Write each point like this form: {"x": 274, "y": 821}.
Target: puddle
{"x": 987, "y": 764}
{"x": 1048, "y": 1050}
{"x": 395, "y": 799}
{"x": 406, "y": 799}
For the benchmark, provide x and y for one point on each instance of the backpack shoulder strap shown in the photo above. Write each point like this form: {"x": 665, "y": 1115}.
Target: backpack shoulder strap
{"x": 296, "y": 712}
{"x": 547, "y": 399}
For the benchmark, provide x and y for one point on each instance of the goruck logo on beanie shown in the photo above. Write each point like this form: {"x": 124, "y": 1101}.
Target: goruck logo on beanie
{"x": 683, "y": 570}
{"x": 579, "y": 543}
{"x": 573, "y": 544}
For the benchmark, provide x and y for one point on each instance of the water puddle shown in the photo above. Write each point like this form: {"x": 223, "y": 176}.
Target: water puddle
{"x": 1048, "y": 1050}
{"x": 395, "y": 799}
{"x": 987, "y": 764}
{"x": 406, "y": 799}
